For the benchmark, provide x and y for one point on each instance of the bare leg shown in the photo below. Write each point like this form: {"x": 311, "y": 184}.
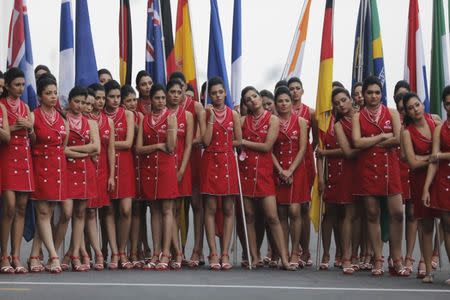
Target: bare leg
{"x": 305, "y": 233}
{"x": 8, "y": 213}
{"x": 395, "y": 207}
{"x": 373, "y": 226}
{"x": 92, "y": 231}
{"x": 346, "y": 231}
{"x": 283, "y": 215}
{"x": 168, "y": 219}
{"x": 197, "y": 208}
{"x": 329, "y": 218}
{"x": 110, "y": 226}
{"x": 156, "y": 227}
{"x": 44, "y": 211}
{"x": 210, "y": 227}
{"x": 79, "y": 215}
{"x": 17, "y": 228}
{"x": 410, "y": 233}
{"x": 124, "y": 226}
{"x": 61, "y": 227}
{"x": 249, "y": 205}
{"x": 135, "y": 233}
{"x": 228, "y": 222}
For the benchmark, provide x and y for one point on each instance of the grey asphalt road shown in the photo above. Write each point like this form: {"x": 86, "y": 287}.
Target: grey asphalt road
{"x": 236, "y": 284}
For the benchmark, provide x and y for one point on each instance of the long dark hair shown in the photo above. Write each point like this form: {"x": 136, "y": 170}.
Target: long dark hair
{"x": 407, "y": 120}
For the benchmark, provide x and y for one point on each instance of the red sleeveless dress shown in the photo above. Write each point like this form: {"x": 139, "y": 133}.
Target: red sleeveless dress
{"x": 158, "y": 169}
{"x": 378, "y": 167}
{"x": 82, "y": 184}
{"x": 102, "y": 166}
{"x": 303, "y": 111}
{"x": 49, "y": 160}
{"x": 218, "y": 165}
{"x": 338, "y": 188}
{"x": 185, "y": 186}
{"x": 256, "y": 168}
{"x": 196, "y": 153}
{"x": 350, "y": 181}
{"x": 440, "y": 189}
{"x": 125, "y": 177}
{"x": 285, "y": 150}
{"x": 137, "y": 162}
{"x": 422, "y": 146}
{"x": 15, "y": 157}
{"x": 1, "y": 126}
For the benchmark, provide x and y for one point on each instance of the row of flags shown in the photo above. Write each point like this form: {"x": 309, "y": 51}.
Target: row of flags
{"x": 162, "y": 57}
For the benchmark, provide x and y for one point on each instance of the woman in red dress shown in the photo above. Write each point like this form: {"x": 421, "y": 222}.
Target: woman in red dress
{"x": 83, "y": 143}
{"x": 291, "y": 179}
{"x": 336, "y": 183}
{"x": 218, "y": 165}
{"x": 125, "y": 185}
{"x": 376, "y": 131}
{"x": 17, "y": 171}
{"x": 183, "y": 149}
{"x": 130, "y": 102}
{"x": 259, "y": 133}
{"x": 5, "y": 134}
{"x": 156, "y": 144}
{"x": 104, "y": 162}
{"x": 436, "y": 190}
{"x": 302, "y": 110}
{"x": 417, "y": 144}
{"x": 50, "y": 170}
{"x": 196, "y": 109}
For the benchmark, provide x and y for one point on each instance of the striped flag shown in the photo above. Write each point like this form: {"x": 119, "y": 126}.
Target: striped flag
{"x": 439, "y": 59}
{"x": 415, "y": 69}
{"x": 323, "y": 100}
{"x": 125, "y": 42}
{"x": 85, "y": 63}
{"x": 66, "y": 53}
{"x": 20, "y": 52}
{"x": 236, "y": 55}
{"x": 368, "y": 52}
{"x": 295, "y": 58}
{"x": 184, "y": 47}
{"x": 216, "y": 56}
{"x": 166, "y": 16}
{"x": 155, "y": 62}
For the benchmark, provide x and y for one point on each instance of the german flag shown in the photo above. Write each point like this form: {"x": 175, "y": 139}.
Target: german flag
{"x": 184, "y": 47}
{"x": 125, "y": 42}
{"x": 323, "y": 100}
{"x": 166, "y": 17}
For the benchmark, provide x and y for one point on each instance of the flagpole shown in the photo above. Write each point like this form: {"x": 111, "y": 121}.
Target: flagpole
{"x": 121, "y": 38}
{"x": 244, "y": 222}
{"x": 193, "y": 48}
{"x": 286, "y": 66}
{"x": 362, "y": 17}
{"x": 162, "y": 39}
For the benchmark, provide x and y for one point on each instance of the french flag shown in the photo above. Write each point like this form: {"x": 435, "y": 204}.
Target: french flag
{"x": 154, "y": 50}
{"x": 415, "y": 70}
{"x": 236, "y": 55}
{"x": 20, "y": 52}
{"x": 66, "y": 53}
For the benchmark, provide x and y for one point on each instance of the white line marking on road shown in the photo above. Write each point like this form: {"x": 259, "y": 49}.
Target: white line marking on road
{"x": 303, "y": 288}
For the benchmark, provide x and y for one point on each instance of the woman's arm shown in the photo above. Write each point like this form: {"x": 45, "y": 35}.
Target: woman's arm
{"x": 187, "y": 145}
{"x": 396, "y": 129}
{"x": 199, "y": 112}
{"x": 411, "y": 158}
{"x": 128, "y": 143}
{"x": 320, "y": 175}
{"x": 141, "y": 149}
{"x": 237, "y": 138}
{"x": 5, "y": 134}
{"x": 111, "y": 156}
{"x": 208, "y": 125}
{"x": 303, "y": 140}
{"x": 365, "y": 142}
{"x": 93, "y": 148}
{"x": 271, "y": 137}
{"x": 344, "y": 143}
{"x": 432, "y": 167}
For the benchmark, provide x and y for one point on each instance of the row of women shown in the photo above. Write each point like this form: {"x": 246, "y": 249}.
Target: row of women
{"x": 121, "y": 154}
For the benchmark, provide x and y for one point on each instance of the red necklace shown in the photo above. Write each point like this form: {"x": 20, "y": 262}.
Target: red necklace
{"x": 75, "y": 121}
{"x": 15, "y": 107}
{"x": 50, "y": 117}
{"x": 220, "y": 114}
{"x": 284, "y": 124}
{"x": 155, "y": 118}
{"x": 112, "y": 115}
{"x": 374, "y": 114}
{"x": 97, "y": 118}
{"x": 256, "y": 119}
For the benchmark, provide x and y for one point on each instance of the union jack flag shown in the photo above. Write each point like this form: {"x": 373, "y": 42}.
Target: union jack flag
{"x": 19, "y": 50}
{"x": 154, "y": 54}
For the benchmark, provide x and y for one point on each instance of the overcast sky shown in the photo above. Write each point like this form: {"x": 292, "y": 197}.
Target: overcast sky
{"x": 268, "y": 29}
